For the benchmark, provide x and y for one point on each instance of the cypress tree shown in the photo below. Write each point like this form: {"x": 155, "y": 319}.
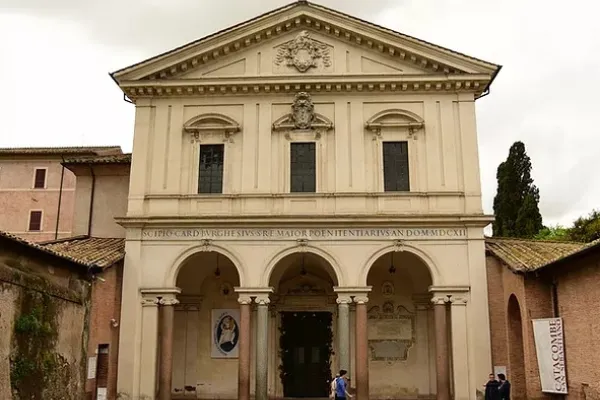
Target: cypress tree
{"x": 517, "y": 198}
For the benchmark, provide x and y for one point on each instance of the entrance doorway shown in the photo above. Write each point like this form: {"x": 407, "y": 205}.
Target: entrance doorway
{"x": 306, "y": 348}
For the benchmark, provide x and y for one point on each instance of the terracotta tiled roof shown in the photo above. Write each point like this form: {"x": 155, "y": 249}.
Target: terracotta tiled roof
{"x": 529, "y": 255}
{"x": 91, "y": 251}
{"x": 111, "y": 159}
{"x": 86, "y": 251}
{"x": 59, "y": 150}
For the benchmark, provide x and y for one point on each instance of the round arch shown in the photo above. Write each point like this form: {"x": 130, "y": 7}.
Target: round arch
{"x": 173, "y": 271}
{"x": 516, "y": 345}
{"x": 434, "y": 272}
{"x": 308, "y": 249}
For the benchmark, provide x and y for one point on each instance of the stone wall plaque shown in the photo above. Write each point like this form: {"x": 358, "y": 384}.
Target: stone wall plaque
{"x": 391, "y": 332}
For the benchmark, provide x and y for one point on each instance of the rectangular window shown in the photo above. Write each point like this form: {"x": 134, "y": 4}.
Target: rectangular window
{"x": 210, "y": 179}
{"x": 303, "y": 167}
{"x": 35, "y": 221}
{"x": 395, "y": 167}
{"x": 39, "y": 181}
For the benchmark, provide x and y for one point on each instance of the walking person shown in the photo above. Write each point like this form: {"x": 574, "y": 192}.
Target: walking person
{"x": 491, "y": 388}
{"x": 341, "y": 382}
{"x": 332, "y": 389}
{"x": 504, "y": 387}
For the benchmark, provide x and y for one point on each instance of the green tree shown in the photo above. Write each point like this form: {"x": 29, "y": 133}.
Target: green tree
{"x": 516, "y": 202}
{"x": 556, "y": 233}
{"x": 586, "y": 229}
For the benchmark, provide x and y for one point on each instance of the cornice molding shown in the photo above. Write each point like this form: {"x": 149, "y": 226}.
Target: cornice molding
{"x": 477, "y": 221}
{"x": 475, "y": 84}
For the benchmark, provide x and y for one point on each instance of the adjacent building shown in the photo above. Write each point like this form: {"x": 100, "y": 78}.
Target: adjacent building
{"x": 55, "y": 301}
{"x": 534, "y": 280}
{"x": 305, "y": 196}
{"x": 37, "y": 193}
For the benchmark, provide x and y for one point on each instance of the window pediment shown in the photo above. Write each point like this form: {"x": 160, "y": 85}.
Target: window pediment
{"x": 394, "y": 118}
{"x": 212, "y": 123}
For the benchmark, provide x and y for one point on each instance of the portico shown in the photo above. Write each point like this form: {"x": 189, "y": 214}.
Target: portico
{"x": 305, "y": 197}
{"x": 394, "y": 313}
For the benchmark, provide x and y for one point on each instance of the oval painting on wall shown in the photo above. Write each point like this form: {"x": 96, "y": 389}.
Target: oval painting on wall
{"x": 226, "y": 334}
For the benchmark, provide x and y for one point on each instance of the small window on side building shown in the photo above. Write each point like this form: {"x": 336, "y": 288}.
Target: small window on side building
{"x": 39, "y": 181}
{"x": 35, "y": 220}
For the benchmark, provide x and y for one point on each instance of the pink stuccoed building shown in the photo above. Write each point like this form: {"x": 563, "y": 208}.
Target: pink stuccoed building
{"x": 37, "y": 194}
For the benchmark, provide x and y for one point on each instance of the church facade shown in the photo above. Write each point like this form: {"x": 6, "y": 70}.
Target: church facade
{"x": 305, "y": 197}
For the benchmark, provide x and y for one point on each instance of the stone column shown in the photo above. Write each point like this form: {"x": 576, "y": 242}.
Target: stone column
{"x": 165, "y": 364}
{"x": 460, "y": 356}
{"x": 343, "y": 331}
{"x": 441, "y": 348}
{"x": 262, "y": 341}
{"x": 362, "y": 349}
{"x": 244, "y": 348}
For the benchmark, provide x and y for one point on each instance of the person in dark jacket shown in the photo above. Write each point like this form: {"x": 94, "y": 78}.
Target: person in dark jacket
{"x": 491, "y": 389}
{"x": 504, "y": 387}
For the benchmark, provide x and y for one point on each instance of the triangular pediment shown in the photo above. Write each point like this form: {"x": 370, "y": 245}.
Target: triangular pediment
{"x": 303, "y": 52}
{"x": 304, "y": 39}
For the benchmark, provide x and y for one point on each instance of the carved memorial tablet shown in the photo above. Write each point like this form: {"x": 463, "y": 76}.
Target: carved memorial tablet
{"x": 391, "y": 332}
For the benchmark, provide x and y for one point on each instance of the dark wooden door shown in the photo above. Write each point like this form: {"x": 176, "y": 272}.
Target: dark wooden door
{"x": 306, "y": 353}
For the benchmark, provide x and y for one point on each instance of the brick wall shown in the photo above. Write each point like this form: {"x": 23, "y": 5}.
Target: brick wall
{"x": 532, "y": 300}
{"x": 578, "y": 286}
{"x": 106, "y": 305}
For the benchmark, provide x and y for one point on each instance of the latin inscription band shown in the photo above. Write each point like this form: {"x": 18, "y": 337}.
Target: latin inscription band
{"x": 301, "y": 233}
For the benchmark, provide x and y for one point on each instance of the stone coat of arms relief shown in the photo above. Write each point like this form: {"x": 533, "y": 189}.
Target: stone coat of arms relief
{"x": 303, "y": 53}
{"x": 303, "y": 111}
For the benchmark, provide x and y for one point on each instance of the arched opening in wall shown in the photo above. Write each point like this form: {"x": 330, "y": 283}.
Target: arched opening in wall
{"x": 400, "y": 327}
{"x": 303, "y": 326}
{"x": 206, "y": 331}
{"x": 516, "y": 354}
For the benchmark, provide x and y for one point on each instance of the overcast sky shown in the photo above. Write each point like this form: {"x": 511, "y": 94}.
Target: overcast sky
{"x": 55, "y": 57}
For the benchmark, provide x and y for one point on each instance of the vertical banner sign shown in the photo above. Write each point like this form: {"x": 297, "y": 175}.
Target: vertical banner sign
{"x": 225, "y": 333}
{"x": 549, "y": 346}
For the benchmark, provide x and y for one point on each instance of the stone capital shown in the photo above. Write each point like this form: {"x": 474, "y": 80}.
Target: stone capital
{"x": 361, "y": 299}
{"x": 168, "y": 301}
{"x": 343, "y": 298}
{"x": 262, "y": 299}
{"x": 439, "y": 300}
{"x": 149, "y": 302}
{"x": 244, "y": 299}
{"x": 458, "y": 300}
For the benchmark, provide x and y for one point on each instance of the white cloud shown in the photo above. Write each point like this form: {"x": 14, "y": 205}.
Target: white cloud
{"x": 55, "y": 58}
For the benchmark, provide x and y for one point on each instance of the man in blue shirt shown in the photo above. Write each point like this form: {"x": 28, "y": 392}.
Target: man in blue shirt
{"x": 340, "y": 386}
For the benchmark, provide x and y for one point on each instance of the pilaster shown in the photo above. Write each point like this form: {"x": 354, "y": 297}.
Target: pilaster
{"x": 460, "y": 347}
{"x": 149, "y": 345}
